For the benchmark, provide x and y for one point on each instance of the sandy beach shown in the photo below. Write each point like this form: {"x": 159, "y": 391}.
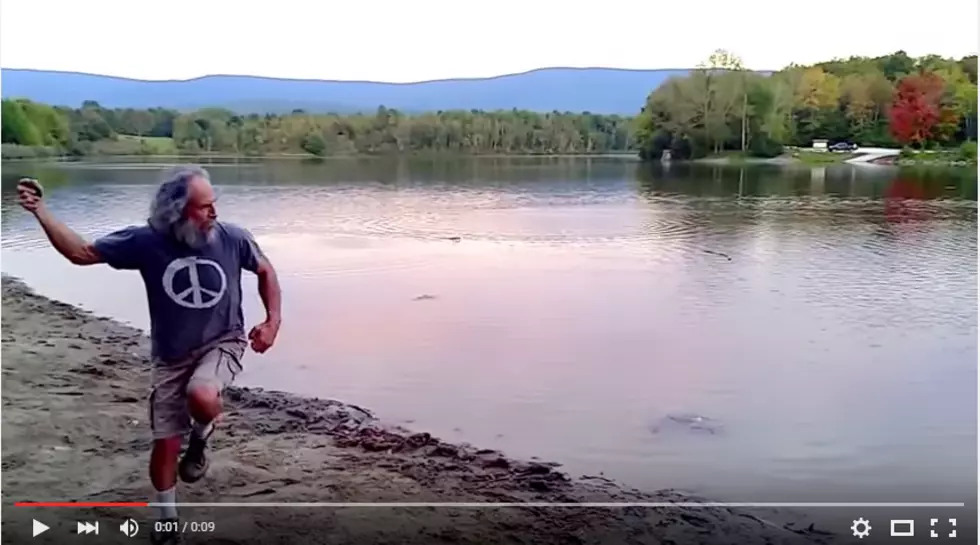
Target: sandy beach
{"x": 74, "y": 428}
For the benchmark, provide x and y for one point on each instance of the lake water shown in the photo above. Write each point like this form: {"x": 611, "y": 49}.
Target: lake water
{"x": 835, "y": 352}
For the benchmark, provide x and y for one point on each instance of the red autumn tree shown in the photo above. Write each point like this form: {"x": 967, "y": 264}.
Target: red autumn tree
{"x": 916, "y": 108}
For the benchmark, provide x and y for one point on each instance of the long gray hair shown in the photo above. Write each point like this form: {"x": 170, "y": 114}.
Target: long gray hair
{"x": 170, "y": 201}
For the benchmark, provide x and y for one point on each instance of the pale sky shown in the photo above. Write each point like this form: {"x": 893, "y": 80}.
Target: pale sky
{"x": 414, "y": 40}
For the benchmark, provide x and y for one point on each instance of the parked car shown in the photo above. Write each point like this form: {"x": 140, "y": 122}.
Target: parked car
{"x": 843, "y": 146}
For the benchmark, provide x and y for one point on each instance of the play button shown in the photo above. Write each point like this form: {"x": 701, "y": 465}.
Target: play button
{"x": 39, "y": 528}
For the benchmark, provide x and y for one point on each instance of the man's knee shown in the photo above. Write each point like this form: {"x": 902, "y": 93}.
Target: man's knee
{"x": 202, "y": 393}
{"x": 203, "y": 400}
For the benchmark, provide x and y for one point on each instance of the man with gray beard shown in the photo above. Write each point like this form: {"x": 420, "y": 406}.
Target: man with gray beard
{"x": 191, "y": 266}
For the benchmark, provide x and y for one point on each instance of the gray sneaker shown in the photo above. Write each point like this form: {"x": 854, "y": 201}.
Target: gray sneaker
{"x": 167, "y": 534}
{"x": 194, "y": 464}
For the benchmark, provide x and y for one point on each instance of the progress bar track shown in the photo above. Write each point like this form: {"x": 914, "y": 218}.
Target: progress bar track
{"x": 505, "y": 505}
{"x": 585, "y": 505}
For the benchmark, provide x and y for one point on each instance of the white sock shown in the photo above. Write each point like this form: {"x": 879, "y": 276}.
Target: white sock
{"x": 203, "y": 430}
{"x": 167, "y": 496}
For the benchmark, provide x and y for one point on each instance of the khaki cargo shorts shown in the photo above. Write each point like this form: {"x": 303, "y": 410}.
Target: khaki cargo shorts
{"x": 216, "y": 365}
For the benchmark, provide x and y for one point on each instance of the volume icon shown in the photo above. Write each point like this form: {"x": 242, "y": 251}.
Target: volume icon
{"x": 129, "y": 528}
{"x": 87, "y": 528}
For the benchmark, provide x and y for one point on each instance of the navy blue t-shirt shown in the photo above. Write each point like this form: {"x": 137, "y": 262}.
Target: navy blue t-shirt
{"x": 194, "y": 294}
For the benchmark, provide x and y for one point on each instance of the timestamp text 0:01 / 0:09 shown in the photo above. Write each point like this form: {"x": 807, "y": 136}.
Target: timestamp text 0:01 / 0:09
{"x": 183, "y": 527}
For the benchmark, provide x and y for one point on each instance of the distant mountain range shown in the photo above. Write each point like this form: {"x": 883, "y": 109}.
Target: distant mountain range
{"x": 597, "y": 90}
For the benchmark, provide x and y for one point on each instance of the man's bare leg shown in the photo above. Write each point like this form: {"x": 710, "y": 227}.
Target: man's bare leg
{"x": 204, "y": 404}
{"x": 163, "y": 475}
{"x": 163, "y": 463}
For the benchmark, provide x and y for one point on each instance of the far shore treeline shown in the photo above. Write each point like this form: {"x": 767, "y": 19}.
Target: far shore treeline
{"x": 890, "y": 101}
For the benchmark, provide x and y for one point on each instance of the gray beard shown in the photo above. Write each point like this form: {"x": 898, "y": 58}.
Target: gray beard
{"x": 187, "y": 233}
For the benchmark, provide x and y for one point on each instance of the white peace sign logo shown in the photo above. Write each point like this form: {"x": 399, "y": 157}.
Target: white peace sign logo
{"x": 193, "y": 296}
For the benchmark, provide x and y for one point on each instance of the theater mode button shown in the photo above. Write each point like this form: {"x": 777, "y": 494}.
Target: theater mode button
{"x": 38, "y": 528}
{"x": 903, "y": 528}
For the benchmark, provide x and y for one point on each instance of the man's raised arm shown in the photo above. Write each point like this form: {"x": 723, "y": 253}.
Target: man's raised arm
{"x": 67, "y": 242}
{"x": 120, "y": 250}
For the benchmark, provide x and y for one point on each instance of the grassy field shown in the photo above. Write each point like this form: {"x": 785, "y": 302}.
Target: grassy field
{"x": 16, "y": 151}
{"x": 965, "y": 155}
{"x": 123, "y": 144}
{"x": 820, "y": 157}
{"x": 126, "y": 144}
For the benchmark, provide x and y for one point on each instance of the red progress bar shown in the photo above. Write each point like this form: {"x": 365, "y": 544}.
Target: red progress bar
{"x": 81, "y": 504}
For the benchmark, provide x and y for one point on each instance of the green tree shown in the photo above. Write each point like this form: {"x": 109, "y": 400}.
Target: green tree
{"x": 896, "y": 66}
{"x": 960, "y": 99}
{"x": 52, "y": 126}
{"x": 17, "y": 126}
{"x": 314, "y": 144}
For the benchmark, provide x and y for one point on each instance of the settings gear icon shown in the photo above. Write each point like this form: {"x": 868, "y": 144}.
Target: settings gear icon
{"x": 861, "y": 528}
